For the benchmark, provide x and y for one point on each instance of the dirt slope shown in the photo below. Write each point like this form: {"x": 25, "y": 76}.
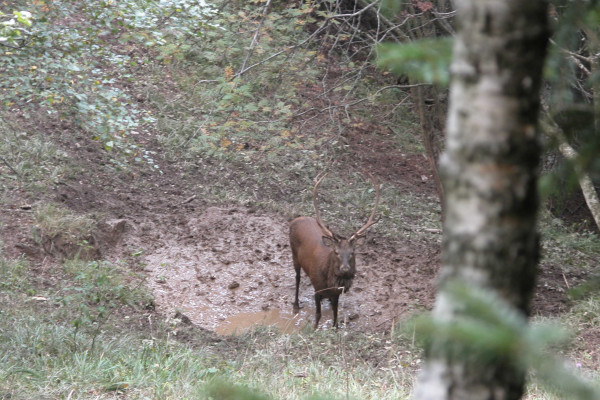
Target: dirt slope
{"x": 226, "y": 267}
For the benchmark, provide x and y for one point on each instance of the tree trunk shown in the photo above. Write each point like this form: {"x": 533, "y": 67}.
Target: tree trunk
{"x": 587, "y": 185}
{"x": 430, "y": 101}
{"x": 432, "y": 127}
{"x": 489, "y": 170}
{"x": 585, "y": 182}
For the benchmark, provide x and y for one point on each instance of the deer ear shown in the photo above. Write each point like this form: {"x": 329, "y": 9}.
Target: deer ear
{"x": 359, "y": 241}
{"x": 329, "y": 241}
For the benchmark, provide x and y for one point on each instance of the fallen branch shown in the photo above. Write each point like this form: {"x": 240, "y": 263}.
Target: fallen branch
{"x": 188, "y": 200}
{"x": 565, "y": 279}
{"x": 10, "y": 166}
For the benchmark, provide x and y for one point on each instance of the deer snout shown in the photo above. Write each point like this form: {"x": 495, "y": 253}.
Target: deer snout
{"x": 346, "y": 271}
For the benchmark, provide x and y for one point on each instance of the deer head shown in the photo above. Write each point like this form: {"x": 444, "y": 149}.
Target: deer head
{"x": 343, "y": 248}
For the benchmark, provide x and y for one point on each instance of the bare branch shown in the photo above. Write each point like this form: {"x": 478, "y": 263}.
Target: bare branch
{"x": 10, "y": 166}
{"x": 255, "y": 37}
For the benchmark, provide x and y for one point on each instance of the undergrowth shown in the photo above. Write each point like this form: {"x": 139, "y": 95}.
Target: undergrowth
{"x": 103, "y": 343}
{"x": 29, "y": 159}
{"x": 568, "y": 247}
{"x": 90, "y": 336}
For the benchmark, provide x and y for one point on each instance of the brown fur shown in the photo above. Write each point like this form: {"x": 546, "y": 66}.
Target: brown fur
{"x": 328, "y": 262}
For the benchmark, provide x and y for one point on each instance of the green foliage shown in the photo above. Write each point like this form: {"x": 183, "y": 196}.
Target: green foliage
{"x": 234, "y": 108}
{"x": 103, "y": 283}
{"x": 227, "y": 391}
{"x": 14, "y": 28}
{"x": 98, "y": 290}
{"x": 238, "y": 96}
{"x": 489, "y": 330}
{"x": 586, "y": 312}
{"x": 40, "y": 358}
{"x": 35, "y": 159}
{"x": 61, "y": 66}
{"x": 426, "y": 61}
{"x": 588, "y": 289}
{"x": 254, "y": 136}
{"x": 391, "y": 7}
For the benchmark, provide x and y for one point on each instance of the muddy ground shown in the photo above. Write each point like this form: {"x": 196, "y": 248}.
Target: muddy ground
{"x": 227, "y": 267}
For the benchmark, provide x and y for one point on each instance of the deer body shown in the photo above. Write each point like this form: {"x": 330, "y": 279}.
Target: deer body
{"x": 327, "y": 259}
{"x": 329, "y": 274}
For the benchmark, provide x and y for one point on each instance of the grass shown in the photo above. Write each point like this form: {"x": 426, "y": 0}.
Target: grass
{"x": 15, "y": 274}
{"x": 104, "y": 343}
{"x": 91, "y": 335}
{"x": 52, "y": 220}
{"x": 587, "y": 312}
{"x": 567, "y": 246}
{"x": 87, "y": 331}
{"x": 77, "y": 349}
{"x": 36, "y": 160}
{"x": 61, "y": 232}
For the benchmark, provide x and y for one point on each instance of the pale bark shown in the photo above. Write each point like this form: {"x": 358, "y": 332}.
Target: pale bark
{"x": 585, "y": 182}
{"x": 587, "y": 186}
{"x": 489, "y": 170}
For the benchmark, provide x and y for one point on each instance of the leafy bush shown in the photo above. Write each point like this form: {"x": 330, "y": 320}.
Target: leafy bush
{"x": 13, "y": 28}
{"x": 58, "y": 65}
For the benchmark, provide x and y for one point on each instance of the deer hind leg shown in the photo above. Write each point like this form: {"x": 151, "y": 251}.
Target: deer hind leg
{"x": 297, "y": 268}
{"x": 318, "y": 312}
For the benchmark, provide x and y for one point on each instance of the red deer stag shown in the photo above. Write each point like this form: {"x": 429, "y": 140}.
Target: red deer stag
{"x": 327, "y": 259}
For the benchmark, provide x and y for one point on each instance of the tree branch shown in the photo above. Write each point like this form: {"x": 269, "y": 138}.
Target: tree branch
{"x": 588, "y": 189}
{"x": 10, "y": 166}
{"x": 255, "y": 37}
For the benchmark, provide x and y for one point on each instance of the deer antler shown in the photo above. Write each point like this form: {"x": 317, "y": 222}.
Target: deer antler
{"x": 362, "y": 231}
{"x": 326, "y": 231}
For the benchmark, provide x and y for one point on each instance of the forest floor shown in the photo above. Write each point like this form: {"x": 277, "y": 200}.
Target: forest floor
{"x": 228, "y": 267}
{"x": 204, "y": 231}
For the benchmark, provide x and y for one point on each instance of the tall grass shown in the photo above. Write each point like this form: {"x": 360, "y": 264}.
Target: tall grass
{"x": 90, "y": 337}
{"x": 41, "y": 358}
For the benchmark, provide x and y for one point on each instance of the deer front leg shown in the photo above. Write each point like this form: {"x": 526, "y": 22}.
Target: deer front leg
{"x": 296, "y": 303}
{"x": 318, "y": 307}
